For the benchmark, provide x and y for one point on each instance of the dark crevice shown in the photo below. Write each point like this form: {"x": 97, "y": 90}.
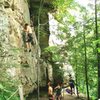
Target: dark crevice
{"x": 44, "y": 29}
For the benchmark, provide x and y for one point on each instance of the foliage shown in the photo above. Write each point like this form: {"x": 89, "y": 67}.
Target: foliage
{"x": 8, "y": 83}
{"x": 61, "y": 8}
{"x": 7, "y": 88}
{"x": 53, "y": 55}
{"x": 57, "y": 74}
{"x": 80, "y": 24}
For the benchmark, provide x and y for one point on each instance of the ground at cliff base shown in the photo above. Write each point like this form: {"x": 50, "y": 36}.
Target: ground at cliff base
{"x": 66, "y": 97}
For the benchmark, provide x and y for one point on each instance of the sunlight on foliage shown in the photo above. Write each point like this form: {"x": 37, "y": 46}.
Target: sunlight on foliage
{"x": 61, "y": 6}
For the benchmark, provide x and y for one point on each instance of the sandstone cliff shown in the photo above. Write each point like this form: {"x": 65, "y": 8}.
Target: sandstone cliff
{"x": 19, "y": 64}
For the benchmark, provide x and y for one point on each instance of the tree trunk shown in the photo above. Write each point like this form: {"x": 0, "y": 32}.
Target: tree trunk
{"x": 85, "y": 64}
{"x": 76, "y": 75}
{"x": 97, "y": 46}
{"x": 21, "y": 92}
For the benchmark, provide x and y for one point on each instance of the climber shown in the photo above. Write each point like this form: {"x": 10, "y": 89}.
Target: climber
{"x": 27, "y": 37}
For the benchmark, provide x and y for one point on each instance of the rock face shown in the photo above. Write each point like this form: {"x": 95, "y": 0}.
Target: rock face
{"x": 23, "y": 65}
{"x": 44, "y": 27}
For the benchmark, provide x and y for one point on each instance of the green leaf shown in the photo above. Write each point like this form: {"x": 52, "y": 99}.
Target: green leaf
{"x": 1, "y": 86}
{"x": 98, "y": 50}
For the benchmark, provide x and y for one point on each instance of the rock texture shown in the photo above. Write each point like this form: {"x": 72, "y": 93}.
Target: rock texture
{"x": 44, "y": 21}
{"x": 23, "y": 65}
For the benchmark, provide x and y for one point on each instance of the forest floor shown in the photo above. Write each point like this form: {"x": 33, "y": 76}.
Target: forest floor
{"x": 66, "y": 96}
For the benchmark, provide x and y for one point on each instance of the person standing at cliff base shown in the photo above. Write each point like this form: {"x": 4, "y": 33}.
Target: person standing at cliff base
{"x": 50, "y": 91}
{"x": 71, "y": 84}
{"x": 58, "y": 89}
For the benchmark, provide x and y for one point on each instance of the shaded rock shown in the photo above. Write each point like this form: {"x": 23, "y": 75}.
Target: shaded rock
{"x": 18, "y": 64}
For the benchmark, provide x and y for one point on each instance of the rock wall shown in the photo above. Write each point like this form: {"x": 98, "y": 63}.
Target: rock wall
{"x": 23, "y": 65}
{"x": 44, "y": 21}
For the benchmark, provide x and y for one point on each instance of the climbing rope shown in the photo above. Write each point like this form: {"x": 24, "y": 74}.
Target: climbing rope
{"x": 13, "y": 94}
{"x": 38, "y": 39}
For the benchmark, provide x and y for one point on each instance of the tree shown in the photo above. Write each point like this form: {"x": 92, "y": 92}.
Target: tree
{"x": 97, "y": 46}
{"x": 85, "y": 63}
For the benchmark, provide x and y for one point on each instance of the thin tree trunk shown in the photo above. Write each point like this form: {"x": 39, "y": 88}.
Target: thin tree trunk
{"x": 85, "y": 64}
{"x": 76, "y": 75}
{"x": 97, "y": 46}
{"x": 21, "y": 92}
{"x": 38, "y": 56}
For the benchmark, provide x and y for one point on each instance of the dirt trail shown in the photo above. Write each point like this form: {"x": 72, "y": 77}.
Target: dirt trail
{"x": 66, "y": 97}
